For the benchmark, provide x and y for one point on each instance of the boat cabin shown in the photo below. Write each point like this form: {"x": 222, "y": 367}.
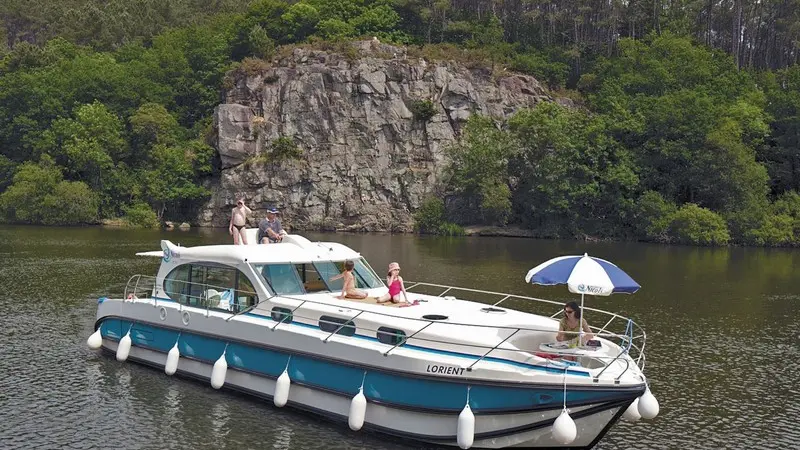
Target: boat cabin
{"x": 233, "y": 278}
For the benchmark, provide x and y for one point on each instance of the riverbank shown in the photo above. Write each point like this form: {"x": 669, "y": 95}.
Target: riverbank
{"x": 472, "y": 230}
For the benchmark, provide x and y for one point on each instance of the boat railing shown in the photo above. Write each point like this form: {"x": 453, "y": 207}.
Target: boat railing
{"x": 140, "y": 286}
{"x": 631, "y": 340}
{"x": 631, "y": 343}
{"x": 607, "y": 361}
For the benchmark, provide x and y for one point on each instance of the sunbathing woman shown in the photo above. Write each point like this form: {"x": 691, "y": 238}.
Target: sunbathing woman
{"x": 349, "y": 287}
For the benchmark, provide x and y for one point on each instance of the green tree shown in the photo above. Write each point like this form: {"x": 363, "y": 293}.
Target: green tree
{"x": 573, "y": 177}
{"x": 7, "y": 169}
{"x": 39, "y": 195}
{"x": 652, "y": 215}
{"x": 171, "y": 180}
{"x": 335, "y": 29}
{"x": 376, "y": 20}
{"x": 141, "y": 215}
{"x": 152, "y": 124}
{"x": 89, "y": 146}
{"x": 261, "y": 45}
{"x": 692, "y": 121}
{"x": 782, "y": 156}
{"x": 478, "y": 173}
{"x": 489, "y": 37}
{"x": 692, "y": 224}
{"x": 71, "y": 203}
{"x": 431, "y": 218}
{"x": 264, "y": 13}
{"x": 300, "y": 21}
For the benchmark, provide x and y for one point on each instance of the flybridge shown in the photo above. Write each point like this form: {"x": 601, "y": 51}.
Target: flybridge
{"x": 293, "y": 248}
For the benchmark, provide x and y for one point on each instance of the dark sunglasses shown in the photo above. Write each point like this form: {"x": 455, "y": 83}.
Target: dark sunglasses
{"x": 568, "y": 311}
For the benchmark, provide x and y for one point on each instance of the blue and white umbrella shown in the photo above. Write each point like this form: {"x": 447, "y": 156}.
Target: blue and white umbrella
{"x": 583, "y": 275}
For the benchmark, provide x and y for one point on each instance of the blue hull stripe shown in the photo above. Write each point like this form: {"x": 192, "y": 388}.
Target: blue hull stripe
{"x": 384, "y": 387}
{"x": 558, "y": 370}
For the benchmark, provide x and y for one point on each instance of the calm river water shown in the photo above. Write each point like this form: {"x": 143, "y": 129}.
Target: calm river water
{"x": 722, "y": 349}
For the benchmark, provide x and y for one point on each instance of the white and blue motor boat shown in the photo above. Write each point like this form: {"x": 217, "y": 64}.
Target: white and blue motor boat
{"x": 266, "y": 320}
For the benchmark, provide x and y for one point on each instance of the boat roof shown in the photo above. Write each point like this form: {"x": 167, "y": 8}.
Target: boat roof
{"x": 293, "y": 249}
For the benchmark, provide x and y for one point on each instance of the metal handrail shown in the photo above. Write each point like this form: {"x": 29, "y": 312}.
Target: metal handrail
{"x": 409, "y": 337}
{"x": 505, "y": 296}
{"x": 285, "y": 316}
{"x": 601, "y": 358}
{"x": 350, "y": 320}
{"x": 602, "y": 332}
{"x": 469, "y": 369}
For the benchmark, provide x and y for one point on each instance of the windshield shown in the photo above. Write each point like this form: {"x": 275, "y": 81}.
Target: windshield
{"x": 281, "y": 278}
{"x": 365, "y": 274}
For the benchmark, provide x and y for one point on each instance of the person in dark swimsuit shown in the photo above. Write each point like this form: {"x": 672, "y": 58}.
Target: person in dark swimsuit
{"x": 239, "y": 222}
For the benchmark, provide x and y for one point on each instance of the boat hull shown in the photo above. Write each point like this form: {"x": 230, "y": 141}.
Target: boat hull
{"x": 517, "y": 430}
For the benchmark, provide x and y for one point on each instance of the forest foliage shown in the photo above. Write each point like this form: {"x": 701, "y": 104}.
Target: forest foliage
{"x": 685, "y": 127}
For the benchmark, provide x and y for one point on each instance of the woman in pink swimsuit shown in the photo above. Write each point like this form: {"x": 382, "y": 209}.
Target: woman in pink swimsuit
{"x": 396, "y": 286}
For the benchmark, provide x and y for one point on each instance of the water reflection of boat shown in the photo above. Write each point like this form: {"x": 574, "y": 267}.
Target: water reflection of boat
{"x": 266, "y": 320}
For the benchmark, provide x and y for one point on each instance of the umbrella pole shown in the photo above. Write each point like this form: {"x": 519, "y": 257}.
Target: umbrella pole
{"x": 580, "y": 324}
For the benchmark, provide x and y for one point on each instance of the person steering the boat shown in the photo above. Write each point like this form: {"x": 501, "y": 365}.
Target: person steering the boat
{"x": 570, "y": 326}
{"x": 270, "y": 229}
{"x": 349, "y": 287}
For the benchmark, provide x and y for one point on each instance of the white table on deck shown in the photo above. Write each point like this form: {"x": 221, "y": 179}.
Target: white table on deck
{"x": 562, "y": 348}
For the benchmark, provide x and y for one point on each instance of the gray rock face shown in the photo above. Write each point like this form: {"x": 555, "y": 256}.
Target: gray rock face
{"x": 366, "y": 161}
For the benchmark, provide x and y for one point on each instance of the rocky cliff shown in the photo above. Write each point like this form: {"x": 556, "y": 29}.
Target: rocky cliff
{"x": 365, "y": 160}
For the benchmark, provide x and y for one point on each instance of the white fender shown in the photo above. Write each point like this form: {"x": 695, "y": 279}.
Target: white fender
{"x": 358, "y": 409}
{"x": 95, "y": 340}
{"x": 172, "y": 360}
{"x": 218, "y": 372}
{"x": 648, "y": 405}
{"x": 282, "y": 389}
{"x": 564, "y": 430}
{"x": 124, "y": 347}
{"x": 632, "y": 413}
{"x": 466, "y": 428}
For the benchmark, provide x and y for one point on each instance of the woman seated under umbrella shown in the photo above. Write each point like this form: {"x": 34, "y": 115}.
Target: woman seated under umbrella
{"x": 569, "y": 327}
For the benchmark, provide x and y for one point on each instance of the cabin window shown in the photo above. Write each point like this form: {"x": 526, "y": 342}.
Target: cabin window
{"x": 391, "y": 336}
{"x": 176, "y": 284}
{"x": 245, "y": 293}
{"x": 330, "y": 324}
{"x": 211, "y": 286}
{"x": 327, "y": 270}
{"x": 311, "y": 278}
{"x": 281, "y": 278}
{"x": 283, "y": 315}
